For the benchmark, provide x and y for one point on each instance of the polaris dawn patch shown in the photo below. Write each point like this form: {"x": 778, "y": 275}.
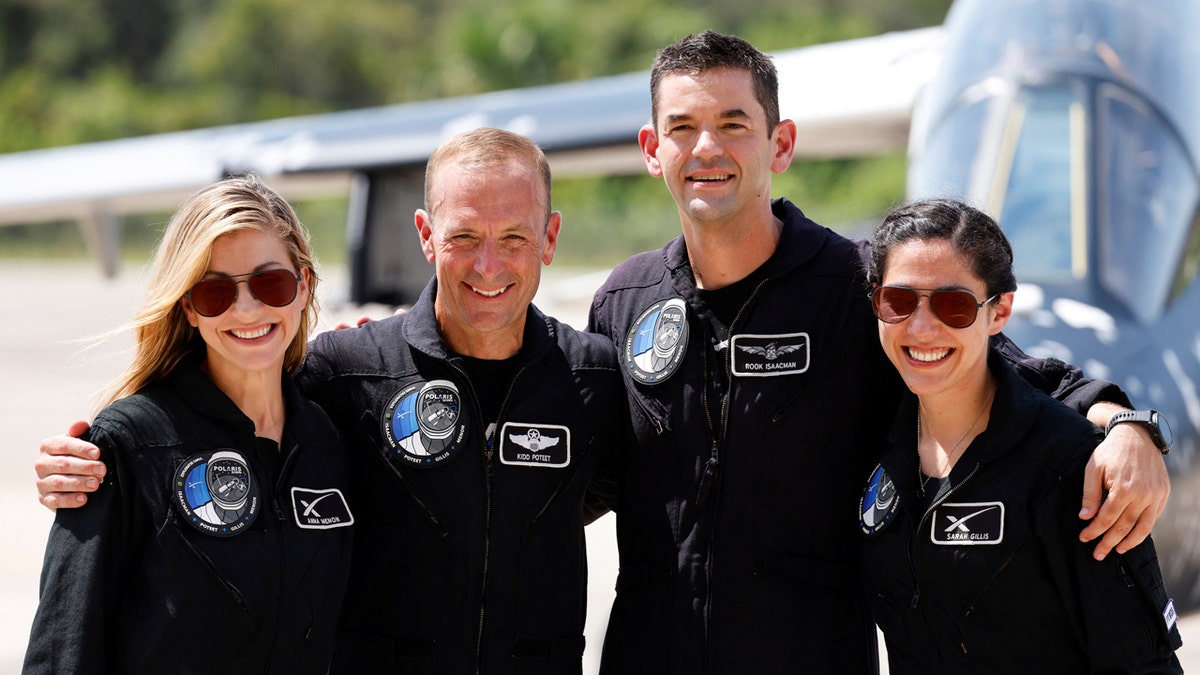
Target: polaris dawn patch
{"x": 657, "y": 341}
{"x": 878, "y": 503}
{"x": 320, "y": 509}
{"x": 216, "y": 493}
{"x": 968, "y": 524}
{"x": 525, "y": 444}
{"x": 424, "y": 423}
{"x": 769, "y": 355}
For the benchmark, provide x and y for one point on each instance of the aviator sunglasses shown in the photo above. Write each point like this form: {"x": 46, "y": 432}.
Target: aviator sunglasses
{"x": 956, "y": 309}
{"x": 211, "y": 297}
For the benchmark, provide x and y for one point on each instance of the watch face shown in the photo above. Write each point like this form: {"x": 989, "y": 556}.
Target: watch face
{"x": 1160, "y": 429}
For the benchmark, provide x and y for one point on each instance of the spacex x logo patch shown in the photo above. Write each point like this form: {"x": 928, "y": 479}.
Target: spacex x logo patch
{"x": 320, "y": 509}
{"x": 973, "y": 524}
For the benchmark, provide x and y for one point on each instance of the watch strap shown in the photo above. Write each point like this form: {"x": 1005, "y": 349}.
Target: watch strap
{"x": 1145, "y": 418}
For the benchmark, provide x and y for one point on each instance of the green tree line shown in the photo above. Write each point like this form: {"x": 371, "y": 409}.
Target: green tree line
{"x": 75, "y": 72}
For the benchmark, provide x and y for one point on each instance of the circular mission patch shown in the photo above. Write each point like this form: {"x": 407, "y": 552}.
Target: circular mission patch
{"x": 424, "y": 423}
{"x": 216, "y": 493}
{"x": 657, "y": 341}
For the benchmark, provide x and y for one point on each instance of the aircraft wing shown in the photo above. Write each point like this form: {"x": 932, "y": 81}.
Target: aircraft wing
{"x": 849, "y": 98}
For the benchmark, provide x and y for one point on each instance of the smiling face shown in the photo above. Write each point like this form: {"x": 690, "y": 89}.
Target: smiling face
{"x": 933, "y": 358}
{"x": 712, "y": 147}
{"x": 488, "y": 235}
{"x": 250, "y": 336}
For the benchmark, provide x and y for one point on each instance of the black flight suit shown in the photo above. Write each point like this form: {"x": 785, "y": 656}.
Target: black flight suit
{"x": 129, "y": 586}
{"x": 470, "y": 555}
{"x": 989, "y": 575}
{"x": 737, "y": 553}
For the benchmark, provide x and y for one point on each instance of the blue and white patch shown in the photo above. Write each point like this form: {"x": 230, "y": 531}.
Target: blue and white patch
{"x": 878, "y": 503}
{"x": 968, "y": 524}
{"x": 424, "y": 423}
{"x": 770, "y": 355}
{"x": 216, "y": 493}
{"x": 657, "y": 341}
{"x": 1170, "y": 618}
{"x": 320, "y": 509}
{"x": 545, "y": 445}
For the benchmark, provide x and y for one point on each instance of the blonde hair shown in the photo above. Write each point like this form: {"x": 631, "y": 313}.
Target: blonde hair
{"x": 163, "y": 336}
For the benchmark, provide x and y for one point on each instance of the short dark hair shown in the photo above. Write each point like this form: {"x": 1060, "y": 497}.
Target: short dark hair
{"x": 708, "y": 50}
{"x": 970, "y": 231}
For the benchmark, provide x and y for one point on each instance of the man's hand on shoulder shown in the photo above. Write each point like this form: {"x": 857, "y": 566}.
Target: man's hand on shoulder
{"x": 1125, "y": 486}
{"x": 67, "y": 469}
{"x": 364, "y": 320}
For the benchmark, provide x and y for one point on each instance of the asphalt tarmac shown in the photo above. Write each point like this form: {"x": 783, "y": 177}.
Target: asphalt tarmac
{"x": 51, "y": 373}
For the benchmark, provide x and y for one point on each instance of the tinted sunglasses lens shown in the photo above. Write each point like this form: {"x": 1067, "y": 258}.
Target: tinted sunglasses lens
{"x": 276, "y": 288}
{"x": 212, "y": 296}
{"x": 893, "y": 305}
{"x": 956, "y": 309}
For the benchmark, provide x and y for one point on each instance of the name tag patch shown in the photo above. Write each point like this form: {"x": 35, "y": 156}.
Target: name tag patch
{"x": 545, "y": 445}
{"x": 770, "y": 355}
{"x": 968, "y": 524}
{"x": 320, "y": 509}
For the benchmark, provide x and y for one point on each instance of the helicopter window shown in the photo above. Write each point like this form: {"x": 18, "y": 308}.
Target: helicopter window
{"x": 1148, "y": 201}
{"x": 1042, "y": 213}
{"x": 943, "y": 168}
{"x": 1191, "y": 261}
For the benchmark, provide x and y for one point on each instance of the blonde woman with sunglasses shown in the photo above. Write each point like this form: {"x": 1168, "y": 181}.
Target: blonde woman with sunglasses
{"x": 219, "y": 540}
{"x": 972, "y": 554}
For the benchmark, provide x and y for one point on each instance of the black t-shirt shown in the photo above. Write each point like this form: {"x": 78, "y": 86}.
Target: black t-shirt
{"x": 725, "y": 303}
{"x": 491, "y": 380}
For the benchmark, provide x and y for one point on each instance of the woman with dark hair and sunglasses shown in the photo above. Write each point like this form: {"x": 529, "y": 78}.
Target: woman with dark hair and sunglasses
{"x": 220, "y": 539}
{"x": 972, "y": 554}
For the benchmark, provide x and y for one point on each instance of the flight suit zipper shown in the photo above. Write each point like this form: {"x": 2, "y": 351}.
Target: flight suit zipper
{"x": 489, "y": 473}
{"x": 912, "y": 566}
{"x": 710, "y": 479}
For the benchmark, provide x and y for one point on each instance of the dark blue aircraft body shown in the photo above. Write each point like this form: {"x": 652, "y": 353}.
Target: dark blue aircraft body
{"x": 1076, "y": 123}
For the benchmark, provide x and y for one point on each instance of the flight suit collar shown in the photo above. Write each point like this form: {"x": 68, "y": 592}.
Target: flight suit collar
{"x": 420, "y": 330}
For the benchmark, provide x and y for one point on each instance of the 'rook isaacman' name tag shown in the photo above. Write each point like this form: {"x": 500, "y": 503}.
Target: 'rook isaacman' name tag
{"x": 770, "y": 355}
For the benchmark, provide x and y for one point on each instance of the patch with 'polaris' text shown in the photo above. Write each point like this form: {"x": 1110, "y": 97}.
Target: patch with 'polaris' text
{"x": 216, "y": 493}
{"x": 546, "y": 445}
{"x": 424, "y": 423}
{"x": 657, "y": 341}
{"x": 320, "y": 509}
{"x": 969, "y": 524}
{"x": 770, "y": 355}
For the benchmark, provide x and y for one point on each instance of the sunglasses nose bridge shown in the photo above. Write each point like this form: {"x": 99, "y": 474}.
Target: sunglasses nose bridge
{"x": 240, "y": 295}
{"x": 273, "y": 288}
{"x": 235, "y": 300}
{"x": 927, "y": 314}
{"x": 266, "y": 289}
{"x": 923, "y": 314}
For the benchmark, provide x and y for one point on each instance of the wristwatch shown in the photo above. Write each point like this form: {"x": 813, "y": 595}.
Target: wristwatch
{"x": 1154, "y": 421}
